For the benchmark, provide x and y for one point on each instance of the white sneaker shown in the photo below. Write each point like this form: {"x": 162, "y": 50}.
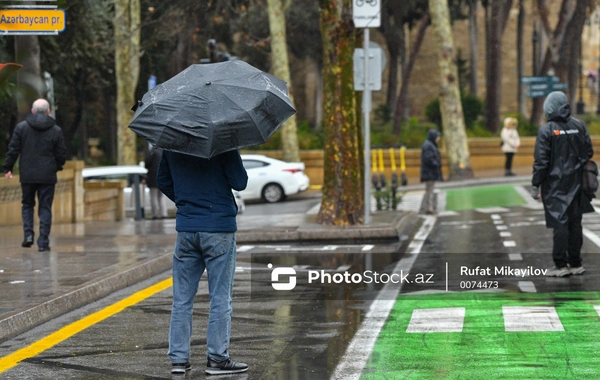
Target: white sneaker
{"x": 576, "y": 270}
{"x": 558, "y": 272}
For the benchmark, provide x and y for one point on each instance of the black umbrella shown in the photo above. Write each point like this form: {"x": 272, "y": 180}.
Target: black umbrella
{"x": 208, "y": 109}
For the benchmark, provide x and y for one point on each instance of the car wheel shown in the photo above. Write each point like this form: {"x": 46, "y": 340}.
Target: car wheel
{"x": 272, "y": 193}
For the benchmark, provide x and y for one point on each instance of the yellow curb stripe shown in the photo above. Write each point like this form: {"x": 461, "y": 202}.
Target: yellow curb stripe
{"x": 68, "y": 331}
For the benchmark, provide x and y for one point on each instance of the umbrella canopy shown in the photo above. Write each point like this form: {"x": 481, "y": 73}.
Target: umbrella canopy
{"x": 208, "y": 109}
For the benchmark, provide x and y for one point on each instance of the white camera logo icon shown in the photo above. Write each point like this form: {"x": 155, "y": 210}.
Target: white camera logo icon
{"x": 291, "y": 284}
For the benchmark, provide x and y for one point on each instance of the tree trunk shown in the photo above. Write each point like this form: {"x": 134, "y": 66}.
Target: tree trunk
{"x": 30, "y": 85}
{"x": 556, "y": 38}
{"x": 571, "y": 44}
{"x": 453, "y": 122}
{"x": 281, "y": 69}
{"x": 520, "y": 60}
{"x": 473, "y": 31}
{"x": 127, "y": 68}
{"x": 342, "y": 202}
{"x": 401, "y": 115}
{"x": 395, "y": 42}
{"x": 493, "y": 81}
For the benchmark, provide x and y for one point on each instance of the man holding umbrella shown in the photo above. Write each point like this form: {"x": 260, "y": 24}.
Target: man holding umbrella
{"x": 201, "y": 118}
{"x": 206, "y": 225}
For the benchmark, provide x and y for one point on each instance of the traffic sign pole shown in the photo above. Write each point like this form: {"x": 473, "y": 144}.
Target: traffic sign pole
{"x": 366, "y": 106}
{"x": 366, "y": 14}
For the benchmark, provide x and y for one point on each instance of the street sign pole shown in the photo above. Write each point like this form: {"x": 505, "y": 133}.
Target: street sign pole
{"x": 366, "y": 14}
{"x": 366, "y": 107}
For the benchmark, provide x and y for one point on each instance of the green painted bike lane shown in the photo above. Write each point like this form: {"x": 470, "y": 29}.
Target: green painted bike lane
{"x": 469, "y": 198}
{"x": 483, "y": 349}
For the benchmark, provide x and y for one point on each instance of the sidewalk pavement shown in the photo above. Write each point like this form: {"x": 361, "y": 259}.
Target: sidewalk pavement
{"x": 88, "y": 261}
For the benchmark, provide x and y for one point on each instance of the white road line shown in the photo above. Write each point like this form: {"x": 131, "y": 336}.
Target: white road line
{"x": 498, "y": 222}
{"x": 526, "y": 195}
{"x": 359, "y": 350}
{"x": 491, "y": 210}
{"x": 592, "y": 236}
{"x": 501, "y": 228}
{"x": 367, "y": 248}
{"x": 505, "y": 234}
{"x": 531, "y": 318}
{"x": 597, "y": 310}
{"x": 449, "y": 319}
{"x": 496, "y": 217}
{"x": 515, "y": 256}
{"x": 509, "y": 243}
{"x": 314, "y": 210}
{"x": 527, "y": 286}
{"x": 244, "y": 248}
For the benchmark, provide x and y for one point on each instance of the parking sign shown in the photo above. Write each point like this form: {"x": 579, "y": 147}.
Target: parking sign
{"x": 366, "y": 13}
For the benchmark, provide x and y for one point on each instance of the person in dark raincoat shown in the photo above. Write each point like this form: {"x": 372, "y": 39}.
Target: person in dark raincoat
{"x": 562, "y": 147}
{"x": 431, "y": 167}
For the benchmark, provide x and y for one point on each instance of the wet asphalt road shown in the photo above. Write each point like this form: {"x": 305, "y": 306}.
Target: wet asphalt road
{"x": 304, "y": 333}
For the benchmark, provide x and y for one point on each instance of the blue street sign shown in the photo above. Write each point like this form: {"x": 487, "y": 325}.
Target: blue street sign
{"x": 538, "y": 79}
{"x": 538, "y": 87}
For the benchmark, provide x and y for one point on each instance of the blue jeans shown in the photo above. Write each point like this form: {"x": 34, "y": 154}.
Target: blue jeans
{"x": 194, "y": 252}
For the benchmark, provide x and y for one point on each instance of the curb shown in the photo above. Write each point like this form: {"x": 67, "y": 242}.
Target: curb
{"x": 318, "y": 233}
{"x": 470, "y": 182}
{"x": 24, "y": 320}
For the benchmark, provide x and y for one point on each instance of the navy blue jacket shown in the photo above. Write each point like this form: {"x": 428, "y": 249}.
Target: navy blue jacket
{"x": 201, "y": 189}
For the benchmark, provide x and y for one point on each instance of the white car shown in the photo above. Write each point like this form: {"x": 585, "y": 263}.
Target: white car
{"x": 126, "y": 172}
{"x": 272, "y": 180}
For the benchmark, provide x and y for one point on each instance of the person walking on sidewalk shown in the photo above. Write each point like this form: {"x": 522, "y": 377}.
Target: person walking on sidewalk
{"x": 157, "y": 199}
{"x": 562, "y": 148}
{"x": 40, "y": 146}
{"x": 431, "y": 168}
{"x": 510, "y": 143}
{"x": 206, "y": 239}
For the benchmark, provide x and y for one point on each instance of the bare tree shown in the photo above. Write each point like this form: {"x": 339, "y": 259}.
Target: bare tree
{"x": 455, "y": 135}
{"x": 342, "y": 202}
{"x": 30, "y": 85}
{"x": 498, "y": 17}
{"x": 127, "y": 65}
{"x": 473, "y": 54}
{"x": 281, "y": 69}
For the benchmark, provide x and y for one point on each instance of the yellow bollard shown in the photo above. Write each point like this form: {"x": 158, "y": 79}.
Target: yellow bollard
{"x": 381, "y": 166}
{"x": 392, "y": 159}
{"x": 403, "y": 178}
{"x": 373, "y": 161}
{"x": 402, "y": 163}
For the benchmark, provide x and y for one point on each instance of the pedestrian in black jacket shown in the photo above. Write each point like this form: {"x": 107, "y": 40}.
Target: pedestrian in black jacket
{"x": 431, "y": 168}
{"x": 40, "y": 146}
{"x": 562, "y": 147}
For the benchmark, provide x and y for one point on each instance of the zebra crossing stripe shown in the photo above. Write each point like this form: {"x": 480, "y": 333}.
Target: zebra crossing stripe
{"x": 515, "y": 256}
{"x": 527, "y": 286}
{"x": 449, "y": 319}
{"x": 531, "y": 318}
